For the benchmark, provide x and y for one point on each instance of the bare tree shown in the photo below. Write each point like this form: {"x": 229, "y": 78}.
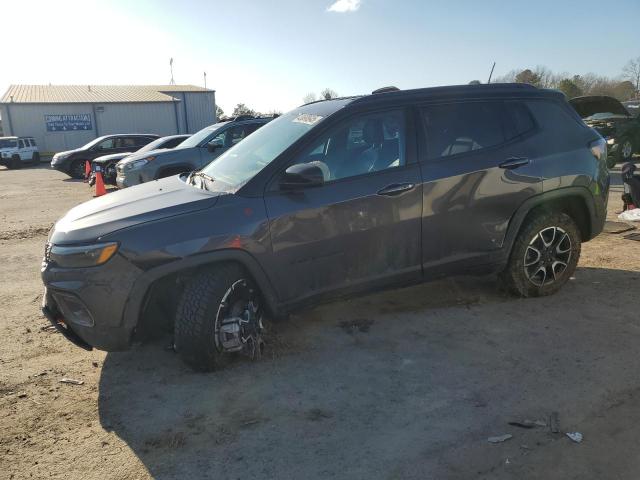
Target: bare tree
{"x": 309, "y": 97}
{"x": 328, "y": 94}
{"x": 631, "y": 71}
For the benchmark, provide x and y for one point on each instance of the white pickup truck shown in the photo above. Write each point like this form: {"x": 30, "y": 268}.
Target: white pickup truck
{"x": 18, "y": 151}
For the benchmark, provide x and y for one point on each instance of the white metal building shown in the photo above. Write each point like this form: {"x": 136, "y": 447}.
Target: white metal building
{"x": 63, "y": 117}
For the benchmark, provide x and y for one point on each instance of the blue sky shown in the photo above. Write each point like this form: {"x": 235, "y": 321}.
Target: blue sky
{"x": 269, "y": 54}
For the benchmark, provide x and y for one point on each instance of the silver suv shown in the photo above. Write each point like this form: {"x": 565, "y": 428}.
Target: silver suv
{"x": 18, "y": 151}
{"x": 192, "y": 154}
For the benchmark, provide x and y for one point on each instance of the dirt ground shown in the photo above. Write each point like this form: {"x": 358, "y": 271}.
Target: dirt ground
{"x": 412, "y": 389}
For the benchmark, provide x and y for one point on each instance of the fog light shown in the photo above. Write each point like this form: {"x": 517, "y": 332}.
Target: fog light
{"x": 73, "y": 310}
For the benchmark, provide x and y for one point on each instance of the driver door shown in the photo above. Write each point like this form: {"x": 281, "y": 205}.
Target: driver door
{"x": 361, "y": 227}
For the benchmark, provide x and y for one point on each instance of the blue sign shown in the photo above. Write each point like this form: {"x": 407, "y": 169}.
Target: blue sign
{"x": 66, "y": 123}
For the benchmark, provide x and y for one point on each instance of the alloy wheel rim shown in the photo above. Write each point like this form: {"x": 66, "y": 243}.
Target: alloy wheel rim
{"x": 547, "y": 256}
{"x": 626, "y": 149}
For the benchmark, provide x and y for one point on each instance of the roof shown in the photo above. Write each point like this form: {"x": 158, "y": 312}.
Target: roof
{"x": 94, "y": 93}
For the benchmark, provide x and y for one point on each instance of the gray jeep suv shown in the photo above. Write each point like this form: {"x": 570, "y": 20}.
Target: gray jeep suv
{"x": 334, "y": 198}
{"x": 193, "y": 153}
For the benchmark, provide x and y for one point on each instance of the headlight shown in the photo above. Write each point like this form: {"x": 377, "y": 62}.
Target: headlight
{"x": 82, "y": 256}
{"x": 137, "y": 163}
{"x": 611, "y": 141}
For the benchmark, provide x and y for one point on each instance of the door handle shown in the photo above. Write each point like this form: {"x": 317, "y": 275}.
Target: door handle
{"x": 396, "y": 189}
{"x": 514, "y": 162}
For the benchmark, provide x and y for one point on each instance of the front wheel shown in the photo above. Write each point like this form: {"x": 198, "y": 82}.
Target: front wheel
{"x": 544, "y": 255}
{"x": 219, "y": 314}
{"x": 76, "y": 170}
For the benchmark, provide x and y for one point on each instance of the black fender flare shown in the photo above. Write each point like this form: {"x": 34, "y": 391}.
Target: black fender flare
{"x": 138, "y": 293}
{"x": 595, "y": 223}
{"x": 185, "y": 166}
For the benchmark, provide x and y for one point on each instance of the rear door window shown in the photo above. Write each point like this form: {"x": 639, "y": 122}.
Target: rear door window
{"x": 20, "y": 143}
{"x": 459, "y": 128}
{"x": 519, "y": 120}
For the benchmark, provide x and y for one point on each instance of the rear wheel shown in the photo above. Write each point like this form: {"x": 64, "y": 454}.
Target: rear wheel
{"x": 625, "y": 151}
{"x": 219, "y": 314}
{"x": 544, "y": 255}
{"x": 76, "y": 170}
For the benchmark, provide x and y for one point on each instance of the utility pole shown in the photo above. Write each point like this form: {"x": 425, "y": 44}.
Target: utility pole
{"x": 172, "y": 82}
{"x": 205, "y": 79}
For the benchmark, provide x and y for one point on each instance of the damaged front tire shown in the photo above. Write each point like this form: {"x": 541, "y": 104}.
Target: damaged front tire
{"x": 219, "y": 314}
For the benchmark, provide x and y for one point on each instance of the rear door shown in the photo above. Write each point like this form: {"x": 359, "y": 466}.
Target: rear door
{"x": 361, "y": 228}
{"x": 478, "y": 167}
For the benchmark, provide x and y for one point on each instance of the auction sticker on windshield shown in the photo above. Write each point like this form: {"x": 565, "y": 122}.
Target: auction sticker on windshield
{"x": 307, "y": 118}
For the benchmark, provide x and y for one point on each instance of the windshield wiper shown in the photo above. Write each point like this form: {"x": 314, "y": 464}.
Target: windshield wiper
{"x": 202, "y": 175}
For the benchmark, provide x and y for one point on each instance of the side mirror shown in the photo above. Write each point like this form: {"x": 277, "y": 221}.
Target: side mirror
{"x": 214, "y": 144}
{"x": 302, "y": 175}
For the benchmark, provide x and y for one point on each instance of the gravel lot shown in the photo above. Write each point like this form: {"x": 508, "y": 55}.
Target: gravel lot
{"x": 412, "y": 390}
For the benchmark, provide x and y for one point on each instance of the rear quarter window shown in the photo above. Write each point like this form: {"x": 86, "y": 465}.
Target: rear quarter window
{"x": 459, "y": 128}
{"x": 559, "y": 126}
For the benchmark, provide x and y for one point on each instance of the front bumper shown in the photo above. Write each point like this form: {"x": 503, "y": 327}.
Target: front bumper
{"x": 104, "y": 292}
{"x": 129, "y": 180}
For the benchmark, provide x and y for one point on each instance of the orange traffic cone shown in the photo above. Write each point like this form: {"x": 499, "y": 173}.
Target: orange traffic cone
{"x": 87, "y": 171}
{"x": 100, "y": 190}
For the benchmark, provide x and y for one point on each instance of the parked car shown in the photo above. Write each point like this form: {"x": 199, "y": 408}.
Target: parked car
{"x": 334, "y": 198}
{"x": 18, "y": 151}
{"x": 194, "y": 153}
{"x": 633, "y": 107}
{"x": 107, "y": 163}
{"x": 72, "y": 162}
{"x": 614, "y": 122}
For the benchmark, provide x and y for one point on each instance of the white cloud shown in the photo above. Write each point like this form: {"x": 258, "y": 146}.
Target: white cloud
{"x": 341, "y": 6}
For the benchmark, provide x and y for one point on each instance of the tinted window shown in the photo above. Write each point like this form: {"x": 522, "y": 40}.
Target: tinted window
{"x": 33, "y": 142}
{"x": 459, "y": 128}
{"x": 142, "y": 141}
{"x": 363, "y": 144}
{"x": 20, "y": 143}
{"x": 173, "y": 142}
{"x": 107, "y": 144}
{"x": 520, "y": 118}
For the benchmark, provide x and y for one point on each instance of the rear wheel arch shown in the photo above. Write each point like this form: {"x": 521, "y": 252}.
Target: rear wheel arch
{"x": 576, "y": 202}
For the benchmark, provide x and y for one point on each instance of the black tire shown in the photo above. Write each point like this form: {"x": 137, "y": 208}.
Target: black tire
{"x": 198, "y": 312}
{"x": 76, "y": 169}
{"x": 15, "y": 162}
{"x": 519, "y": 277}
{"x": 625, "y": 151}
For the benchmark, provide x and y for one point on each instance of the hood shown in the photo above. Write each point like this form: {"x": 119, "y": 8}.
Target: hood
{"x": 588, "y": 106}
{"x": 129, "y": 207}
{"x": 66, "y": 152}
{"x": 114, "y": 157}
{"x": 160, "y": 152}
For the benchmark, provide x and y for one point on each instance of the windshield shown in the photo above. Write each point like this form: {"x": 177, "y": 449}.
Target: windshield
{"x": 240, "y": 163}
{"x": 8, "y": 143}
{"x": 198, "y": 137}
{"x": 92, "y": 143}
{"x": 155, "y": 145}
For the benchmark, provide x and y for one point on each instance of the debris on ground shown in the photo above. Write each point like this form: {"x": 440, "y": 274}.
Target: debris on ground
{"x": 360, "y": 324}
{"x": 500, "y": 438}
{"x": 95, "y": 364}
{"x": 554, "y": 422}
{"x": 71, "y": 381}
{"x": 22, "y": 395}
{"x": 526, "y": 423}
{"x": 574, "y": 436}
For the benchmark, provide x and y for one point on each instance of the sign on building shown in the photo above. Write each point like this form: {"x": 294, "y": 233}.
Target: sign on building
{"x": 65, "y": 123}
